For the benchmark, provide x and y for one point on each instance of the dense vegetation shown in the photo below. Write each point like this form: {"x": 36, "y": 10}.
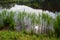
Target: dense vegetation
{"x": 8, "y": 21}
{"x": 57, "y": 25}
{"x": 52, "y": 5}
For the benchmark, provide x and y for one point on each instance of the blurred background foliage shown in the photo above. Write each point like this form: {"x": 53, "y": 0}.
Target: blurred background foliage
{"x": 51, "y": 5}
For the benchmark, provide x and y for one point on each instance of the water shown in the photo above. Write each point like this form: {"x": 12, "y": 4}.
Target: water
{"x": 23, "y": 8}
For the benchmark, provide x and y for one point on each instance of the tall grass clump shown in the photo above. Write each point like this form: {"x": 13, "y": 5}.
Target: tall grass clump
{"x": 35, "y": 21}
{"x": 3, "y": 16}
{"x": 33, "y": 18}
{"x": 11, "y": 20}
{"x": 47, "y": 18}
{"x": 47, "y": 24}
{"x": 20, "y": 19}
{"x": 8, "y": 19}
{"x": 57, "y": 25}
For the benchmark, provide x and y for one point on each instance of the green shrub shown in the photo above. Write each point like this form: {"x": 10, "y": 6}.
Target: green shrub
{"x": 57, "y": 25}
{"x": 7, "y": 18}
{"x": 11, "y": 20}
{"x": 2, "y": 17}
